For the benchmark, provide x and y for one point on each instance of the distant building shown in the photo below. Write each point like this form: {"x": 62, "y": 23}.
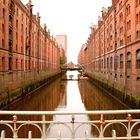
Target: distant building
{"x": 62, "y": 41}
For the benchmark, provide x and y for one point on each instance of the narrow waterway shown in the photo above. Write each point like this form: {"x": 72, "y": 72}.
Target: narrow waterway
{"x": 68, "y": 95}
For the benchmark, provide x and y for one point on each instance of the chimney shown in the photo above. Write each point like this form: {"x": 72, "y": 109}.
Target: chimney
{"x": 45, "y": 28}
{"x": 49, "y": 32}
{"x": 104, "y": 12}
{"x": 99, "y": 20}
{"x": 38, "y": 18}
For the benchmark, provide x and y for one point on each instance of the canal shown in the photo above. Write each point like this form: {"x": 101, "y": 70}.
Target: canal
{"x": 68, "y": 95}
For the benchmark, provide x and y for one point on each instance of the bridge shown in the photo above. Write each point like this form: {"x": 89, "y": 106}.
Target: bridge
{"x": 72, "y": 66}
{"x": 72, "y": 125}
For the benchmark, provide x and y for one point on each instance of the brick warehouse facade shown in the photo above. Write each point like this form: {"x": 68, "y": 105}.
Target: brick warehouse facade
{"x": 27, "y": 51}
{"x": 112, "y": 51}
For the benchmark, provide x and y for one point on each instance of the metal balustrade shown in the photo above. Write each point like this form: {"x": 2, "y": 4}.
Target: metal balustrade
{"x": 72, "y": 125}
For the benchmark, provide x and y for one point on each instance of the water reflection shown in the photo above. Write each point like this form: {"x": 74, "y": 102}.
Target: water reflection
{"x": 73, "y": 103}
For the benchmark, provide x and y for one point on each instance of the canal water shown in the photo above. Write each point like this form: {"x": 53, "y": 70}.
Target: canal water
{"x": 68, "y": 95}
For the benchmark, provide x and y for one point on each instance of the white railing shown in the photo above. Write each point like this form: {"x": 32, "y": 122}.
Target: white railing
{"x": 72, "y": 125}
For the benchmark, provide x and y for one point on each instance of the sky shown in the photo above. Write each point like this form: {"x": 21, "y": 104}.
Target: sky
{"x": 70, "y": 17}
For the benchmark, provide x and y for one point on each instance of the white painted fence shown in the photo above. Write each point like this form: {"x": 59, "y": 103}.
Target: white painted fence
{"x": 128, "y": 123}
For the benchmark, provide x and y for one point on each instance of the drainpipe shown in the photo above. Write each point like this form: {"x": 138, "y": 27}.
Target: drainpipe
{"x": 24, "y": 45}
{"x": 38, "y": 42}
{"x": 125, "y": 53}
{"x": 115, "y": 37}
{"x": 34, "y": 45}
{"x": 45, "y": 27}
{"x": 30, "y": 31}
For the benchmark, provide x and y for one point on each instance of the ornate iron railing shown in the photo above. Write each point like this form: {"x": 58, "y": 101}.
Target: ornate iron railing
{"x": 101, "y": 125}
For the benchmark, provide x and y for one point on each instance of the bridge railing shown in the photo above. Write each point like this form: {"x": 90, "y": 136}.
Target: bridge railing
{"x": 100, "y": 121}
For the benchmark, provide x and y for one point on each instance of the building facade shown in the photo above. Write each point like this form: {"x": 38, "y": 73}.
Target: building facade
{"x": 112, "y": 51}
{"x": 27, "y": 50}
{"x": 62, "y": 41}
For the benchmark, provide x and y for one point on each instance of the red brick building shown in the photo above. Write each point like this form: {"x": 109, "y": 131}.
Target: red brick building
{"x": 27, "y": 50}
{"x": 112, "y": 51}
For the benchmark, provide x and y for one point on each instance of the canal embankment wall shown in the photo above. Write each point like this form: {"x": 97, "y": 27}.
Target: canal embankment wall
{"x": 115, "y": 89}
{"x": 18, "y": 88}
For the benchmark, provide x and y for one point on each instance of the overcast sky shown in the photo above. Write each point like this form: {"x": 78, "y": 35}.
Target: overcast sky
{"x": 70, "y": 17}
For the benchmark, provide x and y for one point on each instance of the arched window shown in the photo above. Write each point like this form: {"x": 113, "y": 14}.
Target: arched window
{"x": 121, "y": 61}
{"x": 108, "y": 63}
{"x": 138, "y": 59}
{"x": 128, "y": 60}
{"x": 128, "y": 10}
{"x": 121, "y": 17}
{"x": 111, "y": 62}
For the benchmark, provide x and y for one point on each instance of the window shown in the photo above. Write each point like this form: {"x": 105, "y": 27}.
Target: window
{"x": 138, "y": 79}
{"x": 138, "y": 59}
{"x": 121, "y": 61}
{"x": 3, "y": 15}
{"x": 16, "y": 36}
{"x": 21, "y": 64}
{"x": 111, "y": 62}
{"x": 110, "y": 17}
{"x": 128, "y": 10}
{"x": 129, "y": 39}
{"x": 137, "y": 18}
{"x": 16, "y": 64}
{"x": 17, "y": 11}
{"x": 128, "y": 60}
{"x": 111, "y": 27}
{"x": 121, "y": 17}
{"x": 137, "y": 2}
{"x": 104, "y": 63}
{"x": 121, "y": 42}
{"x": 115, "y": 62}
{"x": 108, "y": 63}
{"x": 3, "y": 1}
{"x": 16, "y": 47}
{"x": 17, "y": 24}
{"x": 110, "y": 37}
{"x": 3, "y": 63}
{"x": 3, "y": 44}
{"x": 22, "y": 17}
{"x": 128, "y": 25}
{"x": 138, "y": 34}
{"x": 3, "y": 29}
{"x": 21, "y": 28}
{"x": 121, "y": 30}
{"x": 128, "y": 77}
{"x": 10, "y": 63}
{"x": 120, "y": 5}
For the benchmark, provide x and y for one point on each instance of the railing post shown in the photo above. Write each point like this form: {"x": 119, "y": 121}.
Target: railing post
{"x": 43, "y": 127}
{"x": 86, "y": 135}
{"x": 29, "y": 135}
{"x": 101, "y": 126}
{"x": 114, "y": 134}
{"x": 2, "y": 135}
{"x": 59, "y": 135}
{"x": 139, "y": 133}
{"x": 129, "y": 118}
{"x": 72, "y": 121}
{"x": 15, "y": 127}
